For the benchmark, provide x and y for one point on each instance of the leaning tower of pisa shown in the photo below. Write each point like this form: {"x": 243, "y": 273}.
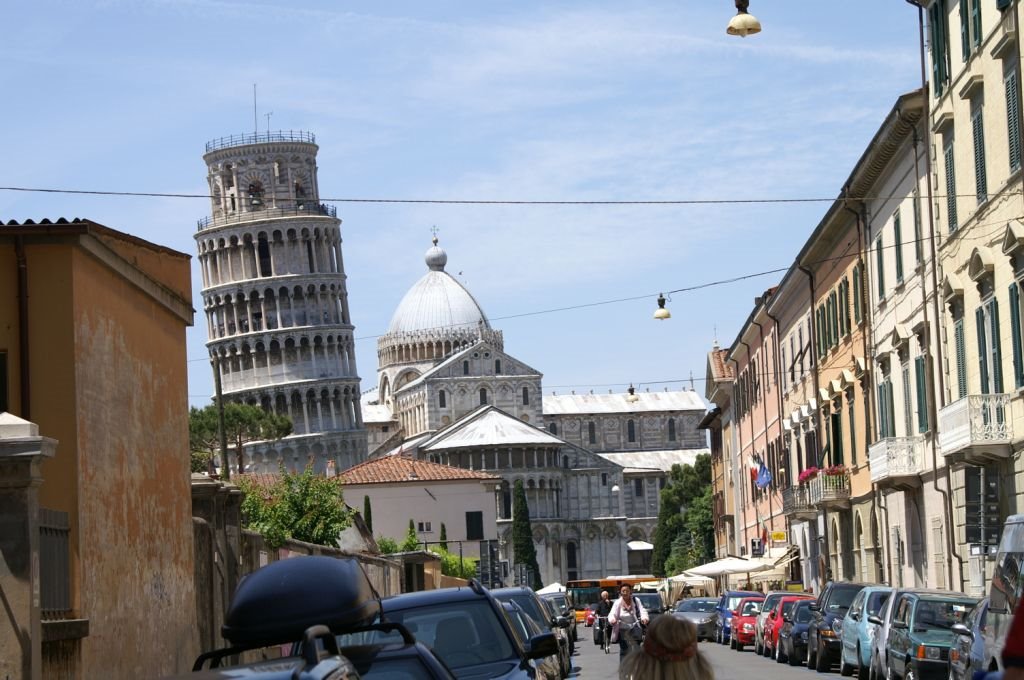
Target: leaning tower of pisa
{"x": 275, "y": 300}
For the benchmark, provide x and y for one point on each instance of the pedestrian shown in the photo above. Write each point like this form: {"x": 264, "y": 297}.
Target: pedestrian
{"x": 627, "y": 618}
{"x": 604, "y": 607}
{"x": 669, "y": 652}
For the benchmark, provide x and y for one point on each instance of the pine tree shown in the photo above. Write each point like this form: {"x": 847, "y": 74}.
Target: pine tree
{"x": 523, "y": 550}
{"x": 368, "y": 513}
{"x": 412, "y": 541}
{"x": 444, "y": 538}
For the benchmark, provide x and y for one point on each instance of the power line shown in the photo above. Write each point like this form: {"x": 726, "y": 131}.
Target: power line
{"x": 456, "y": 201}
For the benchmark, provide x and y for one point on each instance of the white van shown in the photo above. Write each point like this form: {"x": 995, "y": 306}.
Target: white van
{"x": 1004, "y": 590}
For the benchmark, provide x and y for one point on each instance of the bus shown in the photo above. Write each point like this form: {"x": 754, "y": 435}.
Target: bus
{"x": 585, "y": 593}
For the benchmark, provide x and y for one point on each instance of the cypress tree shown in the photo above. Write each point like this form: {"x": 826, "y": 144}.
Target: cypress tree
{"x": 444, "y": 538}
{"x": 523, "y": 550}
{"x": 368, "y": 513}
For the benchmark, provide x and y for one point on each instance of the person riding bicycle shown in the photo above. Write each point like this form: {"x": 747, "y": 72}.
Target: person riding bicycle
{"x": 604, "y": 607}
{"x": 626, "y": 617}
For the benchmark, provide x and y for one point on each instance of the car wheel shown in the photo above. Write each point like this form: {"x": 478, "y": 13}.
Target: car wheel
{"x": 732, "y": 643}
{"x": 862, "y": 672}
{"x": 812, "y": 659}
{"x": 792, "y": 658}
{"x": 845, "y": 669}
{"x": 778, "y": 654}
{"x": 822, "y": 662}
{"x": 738, "y": 647}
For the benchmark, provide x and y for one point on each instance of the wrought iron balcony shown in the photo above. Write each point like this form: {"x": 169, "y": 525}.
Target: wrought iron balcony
{"x": 289, "y": 208}
{"x": 796, "y": 503}
{"x": 897, "y": 461}
{"x": 977, "y": 428}
{"x": 829, "y": 491}
{"x": 261, "y": 138}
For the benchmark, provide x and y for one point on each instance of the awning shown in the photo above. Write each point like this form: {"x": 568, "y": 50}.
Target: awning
{"x": 730, "y": 565}
{"x": 555, "y": 587}
{"x": 639, "y": 545}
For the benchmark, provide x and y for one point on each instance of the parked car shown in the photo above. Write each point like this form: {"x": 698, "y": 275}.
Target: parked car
{"x": 968, "y": 652}
{"x": 770, "y": 600}
{"x": 744, "y": 618}
{"x": 468, "y": 629}
{"x": 726, "y": 603}
{"x": 548, "y": 667}
{"x": 823, "y": 635}
{"x": 564, "y": 604}
{"x": 1004, "y": 590}
{"x": 531, "y": 603}
{"x": 877, "y": 666}
{"x": 701, "y": 612}
{"x": 793, "y": 634}
{"x": 783, "y": 608}
{"x": 560, "y": 621}
{"x": 652, "y": 602}
{"x": 858, "y": 631}
{"x": 921, "y": 633}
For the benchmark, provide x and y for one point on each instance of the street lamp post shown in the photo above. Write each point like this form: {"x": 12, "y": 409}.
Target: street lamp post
{"x": 744, "y": 23}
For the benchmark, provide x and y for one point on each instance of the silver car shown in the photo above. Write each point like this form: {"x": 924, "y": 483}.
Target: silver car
{"x": 701, "y": 612}
{"x": 879, "y": 662}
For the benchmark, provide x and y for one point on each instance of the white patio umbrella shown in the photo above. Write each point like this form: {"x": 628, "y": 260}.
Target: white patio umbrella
{"x": 555, "y": 587}
{"x": 729, "y": 565}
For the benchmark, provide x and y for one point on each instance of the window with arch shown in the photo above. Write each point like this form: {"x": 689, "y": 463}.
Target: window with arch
{"x": 552, "y": 428}
{"x": 671, "y": 429}
{"x": 565, "y": 462}
{"x": 630, "y": 430}
{"x": 591, "y": 432}
{"x": 465, "y": 368}
{"x": 483, "y": 396}
{"x": 441, "y": 399}
{"x": 497, "y": 365}
{"x": 526, "y": 396}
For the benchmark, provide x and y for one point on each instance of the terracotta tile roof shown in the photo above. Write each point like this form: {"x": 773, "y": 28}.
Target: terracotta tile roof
{"x": 395, "y": 469}
{"x": 720, "y": 368}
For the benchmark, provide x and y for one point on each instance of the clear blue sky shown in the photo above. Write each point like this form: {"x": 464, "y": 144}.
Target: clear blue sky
{"x": 524, "y": 100}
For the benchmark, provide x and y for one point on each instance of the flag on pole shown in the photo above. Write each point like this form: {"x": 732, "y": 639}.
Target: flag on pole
{"x": 764, "y": 476}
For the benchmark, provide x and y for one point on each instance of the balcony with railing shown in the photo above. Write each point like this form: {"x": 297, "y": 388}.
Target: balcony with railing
{"x": 289, "y": 208}
{"x": 897, "y": 462}
{"x": 829, "y": 491}
{"x": 796, "y": 503}
{"x": 977, "y": 428}
{"x": 261, "y": 138}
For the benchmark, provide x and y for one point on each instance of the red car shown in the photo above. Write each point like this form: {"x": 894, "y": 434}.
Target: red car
{"x": 744, "y": 618}
{"x": 773, "y": 622}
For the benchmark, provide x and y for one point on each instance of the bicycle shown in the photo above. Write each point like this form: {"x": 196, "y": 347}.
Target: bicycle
{"x": 606, "y": 633}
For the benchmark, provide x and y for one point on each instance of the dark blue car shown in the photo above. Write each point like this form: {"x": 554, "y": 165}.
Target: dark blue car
{"x": 726, "y": 603}
{"x": 793, "y": 634}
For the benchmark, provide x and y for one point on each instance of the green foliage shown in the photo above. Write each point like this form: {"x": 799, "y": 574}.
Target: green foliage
{"x": 201, "y": 461}
{"x": 452, "y": 566}
{"x": 368, "y": 513}
{"x": 444, "y": 537}
{"x": 685, "y": 532}
{"x": 304, "y": 507}
{"x": 387, "y": 545}
{"x": 243, "y": 423}
{"x": 523, "y": 550}
{"x": 412, "y": 541}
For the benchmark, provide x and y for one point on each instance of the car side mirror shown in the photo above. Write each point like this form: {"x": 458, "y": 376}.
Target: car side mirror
{"x": 874, "y": 618}
{"x": 961, "y": 629}
{"x": 855, "y": 616}
{"x": 786, "y": 619}
{"x": 771, "y": 615}
{"x": 540, "y": 646}
{"x": 735, "y": 612}
{"x": 562, "y": 621}
{"x": 899, "y": 625}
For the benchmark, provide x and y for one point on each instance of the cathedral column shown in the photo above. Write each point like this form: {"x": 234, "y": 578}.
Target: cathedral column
{"x": 248, "y": 313}
{"x": 334, "y": 416}
{"x": 312, "y": 357}
{"x": 263, "y": 311}
{"x": 305, "y": 413}
{"x": 320, "y": 414}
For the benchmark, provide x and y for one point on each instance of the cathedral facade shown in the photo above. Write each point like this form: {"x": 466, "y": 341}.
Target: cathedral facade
{"x": 454, "y": 396}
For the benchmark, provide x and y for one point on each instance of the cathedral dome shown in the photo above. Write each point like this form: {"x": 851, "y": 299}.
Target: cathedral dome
{"x": 437, "y": 302}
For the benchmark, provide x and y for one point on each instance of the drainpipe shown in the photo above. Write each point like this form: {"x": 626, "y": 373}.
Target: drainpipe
{"x": 940, "y": 395}
{"x": 817, "y": 411}
{"x": 23, "y": 345}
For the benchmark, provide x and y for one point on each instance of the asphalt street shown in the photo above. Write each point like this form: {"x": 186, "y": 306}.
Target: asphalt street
{"x": 591, "y": 663}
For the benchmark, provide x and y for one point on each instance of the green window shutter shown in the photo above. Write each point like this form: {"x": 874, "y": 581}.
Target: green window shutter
{"x": 979, "y": 316}
{"x": 837, "y": 438}
{"x": 961, "y": 359}
{"x": 833, "y": 328}
{"x": 853, "y": 432}
{"x": 857, "y": 287}
{"x": 882, "y": 420}
{"x": 1015, "y": 339}
{"x": 918, "y": 245}
{"x": 936, "y": 20}
{"x": 950, "y": 187}
{"x": 1012, "y": 119}
{"x": 976, "y": 21}
{"x": 890, "y": 408}
{"x": 922, "y": 394}
{"x": 908, "y": 404}
{"x": 997, "y": 354}
{"x": 880, "y": 258}
{"x": 978, "y": 132}
{"x": 898, "y": 231}
{"x": 965, "y": 31}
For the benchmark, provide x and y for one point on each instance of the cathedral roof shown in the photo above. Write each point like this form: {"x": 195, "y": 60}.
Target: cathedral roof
{"x": 582, "y": 404}
{"x": 397, "y": 469}
{"x": 437, "y": 301}
{"x": 646, "y": 461}
{"x": 489, "y": 426}
{"x": 456, "y": 358}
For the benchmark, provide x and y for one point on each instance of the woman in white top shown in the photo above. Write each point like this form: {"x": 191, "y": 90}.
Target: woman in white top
{"x": 626, "y": 616}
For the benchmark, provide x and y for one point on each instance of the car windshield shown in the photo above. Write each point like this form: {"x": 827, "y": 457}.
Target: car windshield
{"x": 734, "y": 601}
{"x": 696, "y": 606}
{"x": 787, "y": 607}
{"x": 803, "y": 612}
{"x": 751, "y": 608}
{"x": 559, "y": 601}
{"x": 940, "y": 614}
{"x": 463, "y": 633}
{"x": 529, "y": 604}
{"x": 649, "y": 600}
{"x": 842, "y": 598}
{"x": 875, "y": 602}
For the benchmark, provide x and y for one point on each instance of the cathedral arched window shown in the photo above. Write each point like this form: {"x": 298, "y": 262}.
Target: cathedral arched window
{"x": 591, "y": 432}
{"x": 565, "y": 462}
{"x": 671, "y": 429}
{"x": 497, "y": 366}
{"x": 483, "y": 396}
{"x": 441, "y": 399}
{"x": 526, "y": 396}
{"x": 630, "y": 431}
{"x": 465, "y": 368}
{"x": 553, "y": 428}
